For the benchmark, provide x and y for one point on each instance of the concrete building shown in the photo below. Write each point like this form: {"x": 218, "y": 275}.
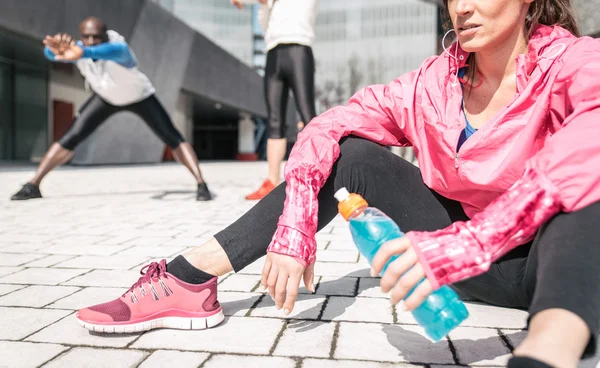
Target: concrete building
{"x": 362, "y": 42}
{"x": 218, "y": 20}
{"x": 208, "y": 92}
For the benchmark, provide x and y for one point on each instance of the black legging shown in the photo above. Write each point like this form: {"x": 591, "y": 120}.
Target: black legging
{"x": 95, "y": 111}
{"x": 557, "y": 270}
{"x": 289, "y": 65}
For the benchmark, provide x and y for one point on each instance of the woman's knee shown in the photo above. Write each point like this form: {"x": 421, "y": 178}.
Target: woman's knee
{"x": 355, "y": 148}
{"x": 365, "y": 164}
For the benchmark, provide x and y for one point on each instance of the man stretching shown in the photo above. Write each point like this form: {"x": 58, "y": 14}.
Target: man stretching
{"x": 110, "y": 68}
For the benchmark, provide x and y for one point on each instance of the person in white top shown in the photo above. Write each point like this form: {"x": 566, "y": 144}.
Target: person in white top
{"x": 110, "y": 68}
{"x": 289, "y": 28}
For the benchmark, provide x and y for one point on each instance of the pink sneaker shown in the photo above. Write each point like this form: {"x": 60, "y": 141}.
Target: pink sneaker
{"x": 157, "y": 300}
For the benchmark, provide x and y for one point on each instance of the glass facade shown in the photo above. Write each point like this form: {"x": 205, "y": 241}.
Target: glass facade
{"x": 362, "y": 42}
{"x": 259, "y": 57}
{"x": 23, "y": 98}
{"x": 218, "y": 20}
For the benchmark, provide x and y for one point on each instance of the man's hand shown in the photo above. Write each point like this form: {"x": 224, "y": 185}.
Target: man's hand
{"x": 58, "y": 43}
{"x": 63, "y": 47}
{"x": 74, "y": 52}
{"x": 281, "y": 275}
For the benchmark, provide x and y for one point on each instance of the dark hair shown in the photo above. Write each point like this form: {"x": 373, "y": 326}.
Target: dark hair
{"x": 546, "y": 12}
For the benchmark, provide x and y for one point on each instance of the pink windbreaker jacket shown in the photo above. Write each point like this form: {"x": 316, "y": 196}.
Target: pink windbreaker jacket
{"x": 537, "y": 156}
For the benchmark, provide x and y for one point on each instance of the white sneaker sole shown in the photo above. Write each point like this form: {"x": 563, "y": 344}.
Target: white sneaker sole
{"x": 179, "y": 323}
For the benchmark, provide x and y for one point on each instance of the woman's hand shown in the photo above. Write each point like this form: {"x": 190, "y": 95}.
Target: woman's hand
{"x": 281, "y": 275}
{"x": 403, "y": 274}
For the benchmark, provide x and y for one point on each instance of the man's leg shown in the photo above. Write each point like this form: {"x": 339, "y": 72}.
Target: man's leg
{"x": 157, "y": 118}
{"x": 89, "y": 117}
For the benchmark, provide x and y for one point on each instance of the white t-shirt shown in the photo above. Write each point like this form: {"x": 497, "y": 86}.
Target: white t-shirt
{"x": 287, "y": 21}
{"x": 114, "y": 83}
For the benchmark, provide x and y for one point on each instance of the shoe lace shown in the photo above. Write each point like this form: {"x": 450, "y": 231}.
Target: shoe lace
{"x": 149, "y": 272}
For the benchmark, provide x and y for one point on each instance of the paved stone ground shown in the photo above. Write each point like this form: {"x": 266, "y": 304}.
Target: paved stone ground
{"x": 85, "y": 242}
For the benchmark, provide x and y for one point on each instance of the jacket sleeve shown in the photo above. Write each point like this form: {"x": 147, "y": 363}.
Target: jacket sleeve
{"x": 48, "y": 54}
{"x": 379, "y": 113}
{"x": 115, "y": 51}
{"x": 562, "y": 176}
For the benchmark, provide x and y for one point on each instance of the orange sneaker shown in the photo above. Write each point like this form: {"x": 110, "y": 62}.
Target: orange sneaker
{"x": 264, "y": 189}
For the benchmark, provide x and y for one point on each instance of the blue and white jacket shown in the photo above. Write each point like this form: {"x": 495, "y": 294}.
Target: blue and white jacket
{"x": 111, "y": 71}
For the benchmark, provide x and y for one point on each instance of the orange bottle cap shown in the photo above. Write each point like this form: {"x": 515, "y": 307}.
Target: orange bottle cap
{"x": 349, "y": 203}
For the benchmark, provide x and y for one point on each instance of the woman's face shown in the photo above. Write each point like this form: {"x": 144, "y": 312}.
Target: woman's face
{"x": 485, "y": 24}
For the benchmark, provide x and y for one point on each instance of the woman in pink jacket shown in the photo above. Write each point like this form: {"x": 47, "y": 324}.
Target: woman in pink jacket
{"x": 504, "y": 204}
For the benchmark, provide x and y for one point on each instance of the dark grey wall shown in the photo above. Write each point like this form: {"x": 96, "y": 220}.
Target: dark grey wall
{"x": 169, "y": 52}
{"x": 36, "y": 18}
{"x": 211, "y": 68}
{"x": 211, "y": 72}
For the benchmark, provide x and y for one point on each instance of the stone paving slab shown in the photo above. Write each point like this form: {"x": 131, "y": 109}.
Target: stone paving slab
{"x": 27, "y": 354}
{"x": 98, "y": 358}
{"x": 18, "y": 323}
{"x": 178, "y": 359}
{"x": 235, "y": 335}
{"x": 67, "y": 331}
{"x": 86, "y": 240}
{"x": 227, "y": 361}
{"x": 37, "y": 296}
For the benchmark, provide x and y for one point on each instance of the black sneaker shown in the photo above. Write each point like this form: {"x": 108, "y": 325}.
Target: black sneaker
{"x": 29, "y": 191}
{"x": 203, "y": 194}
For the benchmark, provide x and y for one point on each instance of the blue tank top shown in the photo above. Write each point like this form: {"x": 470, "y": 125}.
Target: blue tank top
{"x": 469, "y": 130}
